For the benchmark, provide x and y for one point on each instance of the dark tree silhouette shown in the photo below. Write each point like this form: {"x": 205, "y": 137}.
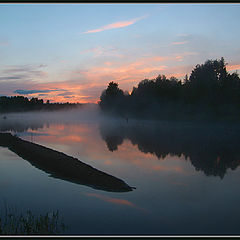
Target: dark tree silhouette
{"x": 112, "y": 99}
{"x": 209, "y": 93}
{"x": 20, "y": 103}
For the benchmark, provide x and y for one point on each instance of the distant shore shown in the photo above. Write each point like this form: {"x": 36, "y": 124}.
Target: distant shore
{"x": 23, "y": 104}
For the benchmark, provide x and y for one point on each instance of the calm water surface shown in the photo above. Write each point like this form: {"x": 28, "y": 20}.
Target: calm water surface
{"x": 186, "y": 176}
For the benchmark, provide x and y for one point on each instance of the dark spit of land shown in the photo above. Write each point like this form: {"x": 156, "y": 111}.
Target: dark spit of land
{"x": 62, "y": 166}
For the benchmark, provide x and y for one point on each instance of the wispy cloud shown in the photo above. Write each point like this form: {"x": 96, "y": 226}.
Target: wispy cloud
{"x": 26, "y": 92}
{"x": 183, "y": 35}
{"x": 22, "y": 72}
{"x": 179, "y": 57}
{"x": 67, "y": 93}
{"x": 23, "y": 68}
{"x": 233, "y": 67}
{"x": 115, "y": 25}
{"x": 4, "y": 43}
{"x": 15, "y": 77}
{"x": 85, "y": 83}
{"x": 101, "y": 51}
{"x": 11, "y": 77}
{"x": 93, "y": 80}
{"x": 179, "y": 43}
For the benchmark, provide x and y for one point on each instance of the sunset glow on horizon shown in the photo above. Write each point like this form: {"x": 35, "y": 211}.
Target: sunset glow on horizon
{"x": 70, "y": 52}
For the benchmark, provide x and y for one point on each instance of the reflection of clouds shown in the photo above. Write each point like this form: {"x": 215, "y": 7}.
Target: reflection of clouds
{"x": 31, "y": 133}
{"x": 180, "y": 184}
{"x": 117, "y": 201}
{"x": 168, "y": 168}
{"x": 148, "y": 162}
{"x": 83, "y": 140}
{"x": 111, "y": 200}
{"x": 108, "y": 162}
{"x": 214, "y": 151}
{"x": 62, "y": 139}
{"x": 18, "y": 126}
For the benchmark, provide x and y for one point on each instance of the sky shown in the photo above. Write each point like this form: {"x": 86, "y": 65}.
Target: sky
{"x": 70, "y": 52}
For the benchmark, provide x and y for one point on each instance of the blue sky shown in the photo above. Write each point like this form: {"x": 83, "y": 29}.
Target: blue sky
{"x": 69, "y": 52}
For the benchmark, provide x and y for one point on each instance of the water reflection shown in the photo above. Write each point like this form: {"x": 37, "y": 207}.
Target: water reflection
{"x": 16, "y": 126}
{"x": 57, "y": 164}
{"x": 167, "y": 187}
{"x": 62, "y": 166}
{"x": 210, "y": 148}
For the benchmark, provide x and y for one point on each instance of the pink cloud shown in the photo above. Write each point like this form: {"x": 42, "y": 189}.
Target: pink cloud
{"x": 160, "y": 58}
{"x": 183, "y": 35}
{"x": 86, "y": 84}
{"x": 179, "y": 58}
{"x": 179, "y": 43}
{"x": 108, "y": 63}
{"x": 94, "y": 80}
{"x": 233, "y": 67}
{"x": 123, "y": 73}
{"x": 103, "y": 51}
{"x": 115, "y": 25}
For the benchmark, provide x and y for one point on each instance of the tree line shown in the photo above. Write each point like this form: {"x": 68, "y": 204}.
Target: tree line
{"x": 20, "y": 103}
{"x": 210, "y": 92}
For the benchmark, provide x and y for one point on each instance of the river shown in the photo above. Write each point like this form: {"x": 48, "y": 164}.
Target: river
{"x": 186, "y": 175}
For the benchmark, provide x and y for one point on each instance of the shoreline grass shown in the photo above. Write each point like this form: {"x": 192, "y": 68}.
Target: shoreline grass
{"x": 13, "y": 222}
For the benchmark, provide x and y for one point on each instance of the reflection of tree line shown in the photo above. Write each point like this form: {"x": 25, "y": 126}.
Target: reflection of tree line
{"x": 13, "y": 126}
{"x": 211, "y": 149}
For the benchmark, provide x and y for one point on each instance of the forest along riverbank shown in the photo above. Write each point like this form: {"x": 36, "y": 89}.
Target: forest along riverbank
{"x": 62, "y": 166}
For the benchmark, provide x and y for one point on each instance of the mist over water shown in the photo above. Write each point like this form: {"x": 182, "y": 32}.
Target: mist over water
{"x": 36, "y": 119}
{"x": 210, "y": 147}
{"x": 179, "y": 169}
